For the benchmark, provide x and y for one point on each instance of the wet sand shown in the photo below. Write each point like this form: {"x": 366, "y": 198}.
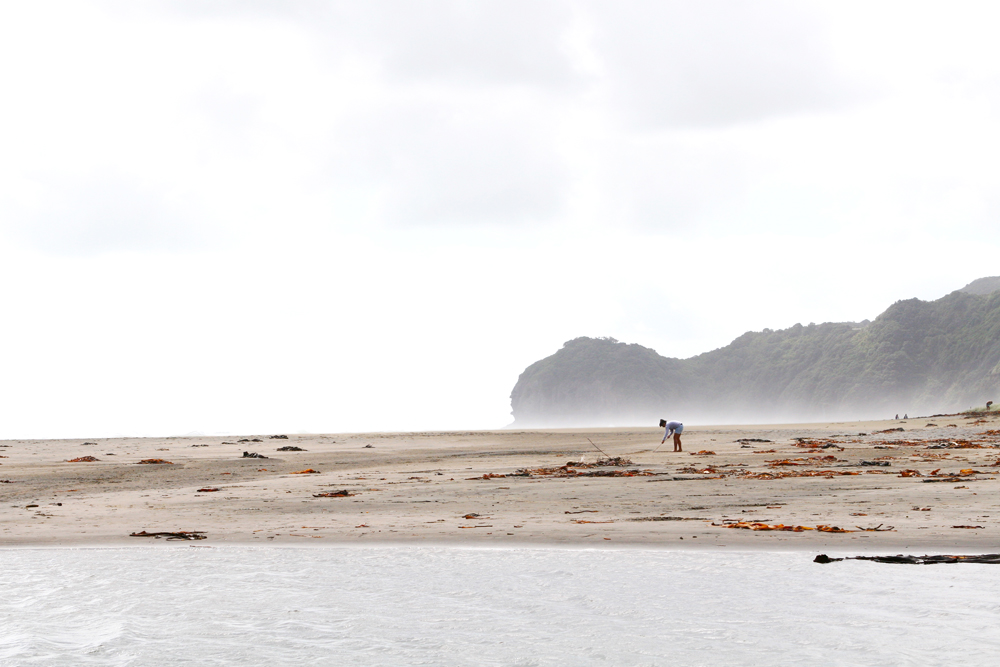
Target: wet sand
{"x": 430, "y": 488}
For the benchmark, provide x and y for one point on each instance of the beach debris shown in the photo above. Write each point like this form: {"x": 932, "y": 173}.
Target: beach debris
{"x": 964, "y": 475}
{"x": 970, "y": 527}
{"x": 751, "y": 440}
{"x": 334, "y": 494}
{"x": 926, "y": 425}
{"x": 766, "y": 451}
{"x": 277, "y": 437}
{"x": 83, "y": 459}
{"x": 179, "y": 535}
{"x": 156, "y": 462}
{"x": 586, "y": 521}
{"x": 909, "y": 472}
{"x": 756, "y": 525}
{"x": 251, "y": 440}
{"x": 801, "y": 461}
{"x": 874, "y": 463}
{"x": 368, "y": 447}
{"x": 915, "y": 560}
{"x": 471, "y": 515}
{"x": 582, "y": 512}
{"x": 6, "y": 481}
{"x": 877, "y": 529}
{"x": 199, "y": 445}
{"x": 253, "y": 455}
{"x": 363, "y": 525}
{"x": 954, "y": 444}
{"x": 782, "y": 474}
{"x": 890, "y": 430}
{"x": 669, "y": 518}
{"x": 88, "y": 444}
{"x": 207, "y": 489}
{"x": 814, "y": 443}
{"x": 704, "y": 452}
{"x": 599, "y": 463}
{"x": 290, "y": 448}
{"x": 567, "y": 471}
{"x": 307, "y": 471}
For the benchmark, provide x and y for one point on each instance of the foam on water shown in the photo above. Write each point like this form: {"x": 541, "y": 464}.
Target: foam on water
{"x": 177, "y": 605}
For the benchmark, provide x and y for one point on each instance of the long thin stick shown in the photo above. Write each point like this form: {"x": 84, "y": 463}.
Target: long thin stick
{"x": 598, "y": 448}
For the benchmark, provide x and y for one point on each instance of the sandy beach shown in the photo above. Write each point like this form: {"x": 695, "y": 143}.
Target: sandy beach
{"x": 923, "y": 485}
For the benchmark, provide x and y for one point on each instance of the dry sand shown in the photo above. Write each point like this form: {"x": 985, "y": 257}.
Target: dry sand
{"x": 427, "y": 487}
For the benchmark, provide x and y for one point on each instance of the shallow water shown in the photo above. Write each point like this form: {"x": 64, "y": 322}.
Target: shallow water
{"x": 178, "y": 605}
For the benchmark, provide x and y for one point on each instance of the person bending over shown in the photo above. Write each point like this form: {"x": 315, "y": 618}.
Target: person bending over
{"x": 674, "y": 428}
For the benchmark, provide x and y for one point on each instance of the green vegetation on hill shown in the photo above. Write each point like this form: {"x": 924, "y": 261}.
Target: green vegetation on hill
{"x": 917, "y": 357}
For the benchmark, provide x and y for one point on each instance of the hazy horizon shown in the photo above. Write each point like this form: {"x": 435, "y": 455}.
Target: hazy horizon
{"x": 276, "y": 217}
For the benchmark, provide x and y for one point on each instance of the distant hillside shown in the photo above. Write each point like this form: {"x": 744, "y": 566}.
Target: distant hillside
{"x": 917, "y": 357}
{"x": 982, "y": 286}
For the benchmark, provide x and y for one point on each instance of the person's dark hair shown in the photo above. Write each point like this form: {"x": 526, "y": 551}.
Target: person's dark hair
{"x": 663, "y": 422}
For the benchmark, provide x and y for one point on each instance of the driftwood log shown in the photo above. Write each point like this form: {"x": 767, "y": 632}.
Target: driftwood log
{"x": 179, "y": 535}
{"x": 915, "y": 560}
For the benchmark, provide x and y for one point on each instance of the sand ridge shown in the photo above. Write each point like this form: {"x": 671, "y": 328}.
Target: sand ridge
{"x": 465, "y": 487}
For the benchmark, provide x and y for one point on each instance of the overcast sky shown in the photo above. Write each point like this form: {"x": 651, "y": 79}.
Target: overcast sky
{"x": 267, "y": 217}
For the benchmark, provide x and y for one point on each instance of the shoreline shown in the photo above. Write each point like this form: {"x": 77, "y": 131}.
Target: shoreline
{"x": 743, "y": 549}
{"x": 463, "y": 488}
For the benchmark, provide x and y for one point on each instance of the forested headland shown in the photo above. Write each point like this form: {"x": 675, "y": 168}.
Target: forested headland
{"x": 917, "y": 357}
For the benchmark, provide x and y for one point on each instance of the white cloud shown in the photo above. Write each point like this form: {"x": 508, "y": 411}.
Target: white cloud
{"x": 456, "y": 164}
{"x": 110, "y": 213}
{"x": 697, "y": 64}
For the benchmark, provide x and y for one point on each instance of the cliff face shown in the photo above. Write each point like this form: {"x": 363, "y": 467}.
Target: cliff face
{"x": 918, "y": 357}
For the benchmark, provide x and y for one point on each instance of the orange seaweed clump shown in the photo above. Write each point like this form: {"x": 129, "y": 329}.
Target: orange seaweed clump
{"x": 704, "y": 452}
{"x": 756, "y": 525}
{"x": 805, "y": 461}
{"x": 307, "y": 471}
{"x": 910, "y": 473}
{"x": 794, "y": 473}
{"x": 83, "y": 459}
{"x": 157, "y": 461}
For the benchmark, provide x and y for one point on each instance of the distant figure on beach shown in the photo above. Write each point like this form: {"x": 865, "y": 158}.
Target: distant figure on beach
{"x": 905, "y": 416}
{"x": 897, "y": 416}
{"x": 675, "y": 428}
{"x": 988, "y": 404}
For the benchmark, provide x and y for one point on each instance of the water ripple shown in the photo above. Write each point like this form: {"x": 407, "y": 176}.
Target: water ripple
{"x": 178, "y": 605}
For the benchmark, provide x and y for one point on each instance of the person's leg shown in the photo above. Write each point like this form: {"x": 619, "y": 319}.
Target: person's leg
{"x": 677, "y": 443}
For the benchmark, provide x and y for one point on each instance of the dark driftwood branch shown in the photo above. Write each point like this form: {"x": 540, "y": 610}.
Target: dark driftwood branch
{"x": 179, "y": 535}
{"x": 915, "y": 560}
